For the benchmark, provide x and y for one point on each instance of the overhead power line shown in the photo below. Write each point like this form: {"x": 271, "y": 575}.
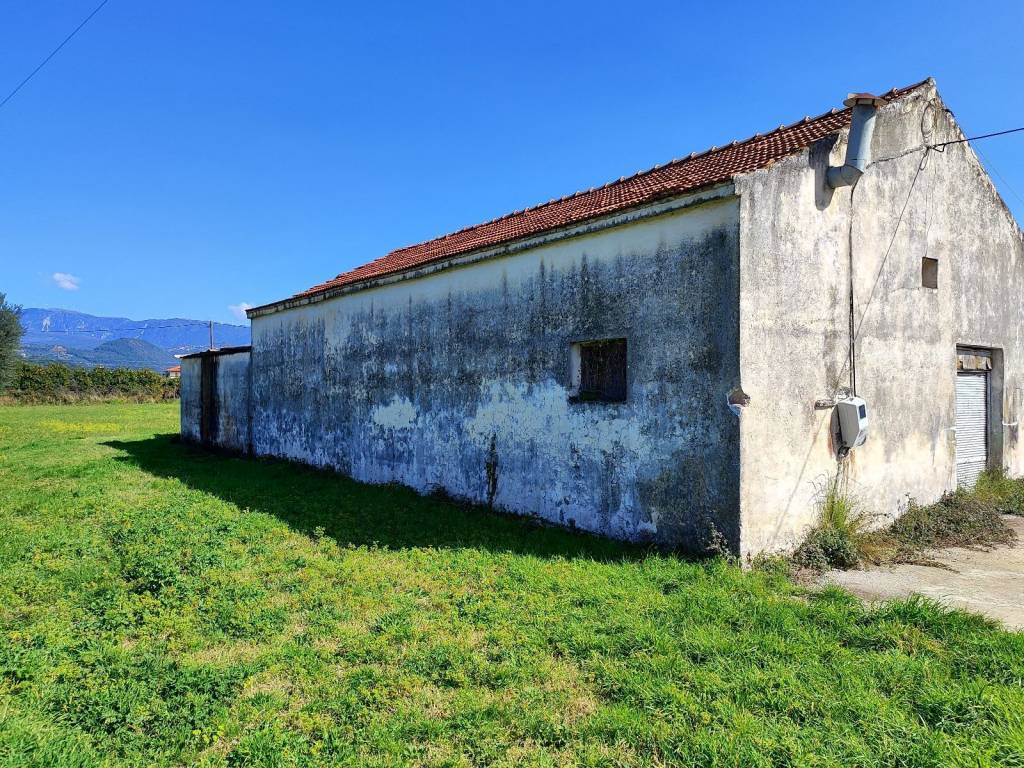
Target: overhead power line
{"x": 939, "y": 147}
{"x": 133, "y": 328}
{"x": 992, "y": 168}
{"x": 53, "y": 53}
{"x": 855, "y": 328}
{"x": 892, "y": 241}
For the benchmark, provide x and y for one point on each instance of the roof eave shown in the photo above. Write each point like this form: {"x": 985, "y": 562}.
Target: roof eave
{"x": 668, "y": 203}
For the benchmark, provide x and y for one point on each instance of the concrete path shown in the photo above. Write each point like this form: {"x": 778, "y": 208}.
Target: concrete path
{"x": 990, "y": 583}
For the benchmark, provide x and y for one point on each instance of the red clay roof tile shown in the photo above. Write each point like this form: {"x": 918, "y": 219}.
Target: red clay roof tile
{"x": 697, "y": 170}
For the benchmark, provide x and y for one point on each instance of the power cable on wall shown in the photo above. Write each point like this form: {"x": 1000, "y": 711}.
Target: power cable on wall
{"x": 940, "y": 147}
{"x": 854, "y": 326}
{"x": 937, "y": 147}
{"x": 53, "y": 53}
{"x": 892, "y": 241}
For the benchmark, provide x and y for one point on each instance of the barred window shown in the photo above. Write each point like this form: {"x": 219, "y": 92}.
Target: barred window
{"x": 599, "y": 371}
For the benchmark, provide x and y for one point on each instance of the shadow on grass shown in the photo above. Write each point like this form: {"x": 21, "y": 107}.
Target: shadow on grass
{"x": 356, "y": 513}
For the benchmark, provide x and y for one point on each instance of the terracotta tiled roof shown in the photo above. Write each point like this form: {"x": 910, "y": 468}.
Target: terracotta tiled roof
{"x": 686, "y": 174}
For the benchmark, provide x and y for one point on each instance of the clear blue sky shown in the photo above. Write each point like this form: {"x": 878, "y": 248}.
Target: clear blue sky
{"x": 179, "y": 158}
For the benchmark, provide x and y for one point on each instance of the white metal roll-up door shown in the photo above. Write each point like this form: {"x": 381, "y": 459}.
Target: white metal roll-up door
{"x": 971, "y": 426}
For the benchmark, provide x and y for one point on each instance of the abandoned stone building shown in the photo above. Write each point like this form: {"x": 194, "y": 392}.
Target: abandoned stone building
{"x": 666, "y": 358}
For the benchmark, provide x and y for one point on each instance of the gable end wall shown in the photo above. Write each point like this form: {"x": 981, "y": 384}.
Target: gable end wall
{"x": 794, "y": 275}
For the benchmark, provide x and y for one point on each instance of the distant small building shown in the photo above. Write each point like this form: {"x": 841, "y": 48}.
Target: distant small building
{"x": 174, "y": 372}
{"x": 674, "y": 356}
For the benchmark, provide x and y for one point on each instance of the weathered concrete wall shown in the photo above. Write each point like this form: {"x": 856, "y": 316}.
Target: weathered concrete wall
{"x": 795, "y": 254}
{"x": 459, "y": 380}
{"x": 191, "y": 399}
{"x": 229, "y": 424}
{"x": 233, "y": 401}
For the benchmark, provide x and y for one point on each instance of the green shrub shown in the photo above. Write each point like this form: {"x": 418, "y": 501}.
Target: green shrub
{"x": 960, "y": 518}
{"x": 826, "y": 548}
{"x": 842, "y": 536}
{"x": 59, "y": 383}
{"x": 1005, "y": 493}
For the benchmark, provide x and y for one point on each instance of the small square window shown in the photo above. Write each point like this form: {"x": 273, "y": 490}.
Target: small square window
{"x": 599, "y": 371}
{"x": 929, "y": 273}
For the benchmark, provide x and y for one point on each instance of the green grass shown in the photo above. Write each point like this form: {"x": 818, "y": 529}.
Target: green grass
{"x": 161, "y": 606}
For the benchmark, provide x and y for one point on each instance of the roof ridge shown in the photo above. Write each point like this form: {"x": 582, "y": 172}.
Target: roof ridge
{"x": 400, "y": 259}
{"x": 578, "y": 193}
{"x": 674, "y": 161}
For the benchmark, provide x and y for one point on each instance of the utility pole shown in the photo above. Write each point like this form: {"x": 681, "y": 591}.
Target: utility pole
{"x": 211, "y": 334}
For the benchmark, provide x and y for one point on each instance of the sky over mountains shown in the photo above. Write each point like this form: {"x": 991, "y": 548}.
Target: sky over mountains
{"x": 74, "y": 337}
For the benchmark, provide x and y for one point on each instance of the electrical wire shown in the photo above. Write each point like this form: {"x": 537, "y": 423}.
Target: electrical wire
{"x": 990, "y": 166}
{"x": 892, "y": 241}
{"x": 851, "y": 331}
{"x": 854, "y": 330}
{"x": 53, "y": 53}
{"x": 988, "y": 163}
{"x": 943, "y": 144}
{"x": 195, "y": 324}
{"x": 850, "y": 366}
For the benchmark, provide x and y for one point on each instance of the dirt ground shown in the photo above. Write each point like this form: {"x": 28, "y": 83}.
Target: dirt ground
{"x": 987, "y": 582}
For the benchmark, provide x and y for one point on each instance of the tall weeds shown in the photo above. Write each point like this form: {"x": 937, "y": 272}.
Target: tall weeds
{"x": 842, "y": 537}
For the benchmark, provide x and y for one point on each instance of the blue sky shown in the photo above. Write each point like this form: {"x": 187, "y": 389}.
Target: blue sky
{"x": 178, "y": 159}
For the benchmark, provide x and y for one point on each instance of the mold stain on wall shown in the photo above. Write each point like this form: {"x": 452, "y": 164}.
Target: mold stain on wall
{"x": 459, "y": 380}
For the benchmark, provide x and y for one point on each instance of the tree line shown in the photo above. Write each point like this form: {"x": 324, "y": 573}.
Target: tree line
{"x": 25, "y": 382}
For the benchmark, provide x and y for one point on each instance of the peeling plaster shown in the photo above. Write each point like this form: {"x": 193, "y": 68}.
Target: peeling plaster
{"x": 400, "y": 413}
{"x": 455, "y": 375}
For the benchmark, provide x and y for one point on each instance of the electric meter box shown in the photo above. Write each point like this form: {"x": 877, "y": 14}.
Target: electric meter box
{"x": 853, "y": 421}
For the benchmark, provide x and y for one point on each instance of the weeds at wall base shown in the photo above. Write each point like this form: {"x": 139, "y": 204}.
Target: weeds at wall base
{"x": 843, "y": 538}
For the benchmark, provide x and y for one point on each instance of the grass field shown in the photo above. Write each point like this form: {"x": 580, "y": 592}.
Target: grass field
{"x": 160, "y": 606}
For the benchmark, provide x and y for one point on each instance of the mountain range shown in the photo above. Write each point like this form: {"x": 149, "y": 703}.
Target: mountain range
{"x": 76, "y": 338}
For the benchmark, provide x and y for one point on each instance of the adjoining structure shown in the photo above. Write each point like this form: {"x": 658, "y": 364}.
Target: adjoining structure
{"x": 659, "y": 358}
{"x": 215, "y": 398}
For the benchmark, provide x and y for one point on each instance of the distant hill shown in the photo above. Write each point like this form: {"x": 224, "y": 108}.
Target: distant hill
{"x": 77, "y": 330}
{"x": 118, "y": 353}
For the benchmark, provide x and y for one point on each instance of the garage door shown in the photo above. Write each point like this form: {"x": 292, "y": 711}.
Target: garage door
{"x": 971, "y": 426}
